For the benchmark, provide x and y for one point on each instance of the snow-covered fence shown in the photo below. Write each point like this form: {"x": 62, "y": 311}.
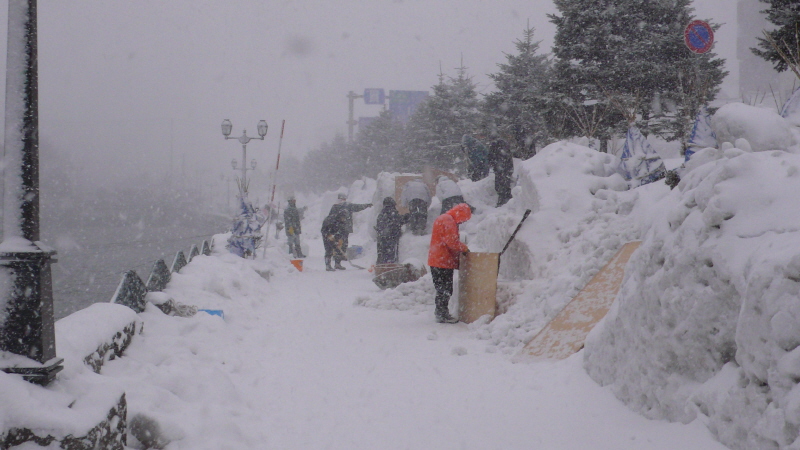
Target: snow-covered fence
{"x": 108, "y": 434}
{"x": 132, "y": 291}
{"x": 87, "y": 339}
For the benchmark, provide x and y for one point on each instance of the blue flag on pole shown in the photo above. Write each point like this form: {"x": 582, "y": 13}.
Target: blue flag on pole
{"x": 702, "y": 136}
{"x": 246, "y": 232}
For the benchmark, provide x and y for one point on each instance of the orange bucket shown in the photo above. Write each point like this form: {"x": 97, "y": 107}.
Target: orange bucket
{"x": 298, "y": 263}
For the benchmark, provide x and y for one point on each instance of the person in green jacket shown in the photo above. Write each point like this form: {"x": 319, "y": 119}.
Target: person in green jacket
{"x": 291, "y": 223}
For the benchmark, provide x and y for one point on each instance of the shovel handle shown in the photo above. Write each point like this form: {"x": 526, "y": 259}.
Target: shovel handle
{"x": 525, "y": 216}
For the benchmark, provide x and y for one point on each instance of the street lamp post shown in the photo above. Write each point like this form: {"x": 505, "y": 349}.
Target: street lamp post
{"x": 227, "y": 126}
{"x": 26, "y": 320}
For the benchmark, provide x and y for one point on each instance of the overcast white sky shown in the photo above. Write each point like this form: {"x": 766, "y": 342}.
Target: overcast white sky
{"x": 123, "y": 82}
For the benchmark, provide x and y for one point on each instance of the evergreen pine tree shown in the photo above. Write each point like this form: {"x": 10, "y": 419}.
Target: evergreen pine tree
{"x": 516, "y": 108}
{"x": 330, "y": 166}
{"x": 630, "y": 52}
{"x": 437, "y": 126}
{"x": 378, "y": 147}
{"x": 785, "y": 15}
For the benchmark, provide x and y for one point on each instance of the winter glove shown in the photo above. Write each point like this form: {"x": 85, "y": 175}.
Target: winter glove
{"x": 330, "y": 237}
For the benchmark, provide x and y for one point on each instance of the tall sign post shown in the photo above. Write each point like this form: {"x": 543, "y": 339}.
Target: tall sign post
{"x": 351, "y": 122}
{"x": 27, "y": 328}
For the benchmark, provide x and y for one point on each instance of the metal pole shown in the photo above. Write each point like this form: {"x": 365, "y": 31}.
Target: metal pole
{"x": 351, "y": 96}
{"x": 28, "y": 328}
{"x": 244, "y": 169}
{"x": 272, "y": 212}
{"x": 277, "y": 163}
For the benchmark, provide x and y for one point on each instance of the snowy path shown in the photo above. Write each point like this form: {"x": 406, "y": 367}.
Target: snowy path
{"x": 296, "y": 365}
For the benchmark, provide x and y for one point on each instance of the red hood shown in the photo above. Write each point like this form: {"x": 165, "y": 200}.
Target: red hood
{"x": 460, "y": 213}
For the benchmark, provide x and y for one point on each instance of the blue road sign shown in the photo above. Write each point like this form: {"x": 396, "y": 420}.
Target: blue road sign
{"x": 374, "y": 97}
{"x": 403, "y": 103}
{"x": 698, "y": 36}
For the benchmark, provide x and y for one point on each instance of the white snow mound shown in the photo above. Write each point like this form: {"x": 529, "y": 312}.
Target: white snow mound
{"x": 707, "y": 319}
{"x": 763, "y": 128}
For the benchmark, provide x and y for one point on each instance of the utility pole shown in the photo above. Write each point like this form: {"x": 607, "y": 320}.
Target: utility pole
{"x": 350, "y": 120}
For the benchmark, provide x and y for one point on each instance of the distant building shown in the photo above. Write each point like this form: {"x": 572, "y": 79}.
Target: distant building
{"x": 755, "y": 74}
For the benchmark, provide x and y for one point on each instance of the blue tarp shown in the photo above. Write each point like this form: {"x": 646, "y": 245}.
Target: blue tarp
{"x": 702, "y": 136}
{"x": 791, "y": 109}
{"x": 640, "y": 163}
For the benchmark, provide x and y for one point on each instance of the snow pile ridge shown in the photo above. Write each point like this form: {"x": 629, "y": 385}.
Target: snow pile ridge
{"x": 580, "y": 218}
{"x": 763, "y": 128}
{"x": 714, "y": 284}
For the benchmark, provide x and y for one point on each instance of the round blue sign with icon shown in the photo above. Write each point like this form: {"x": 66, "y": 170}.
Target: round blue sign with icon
{"x": 698, "y": 36}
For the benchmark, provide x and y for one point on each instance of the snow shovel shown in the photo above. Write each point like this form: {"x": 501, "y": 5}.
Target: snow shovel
{"x": 524, "y": 216}
{"x": 344, "y": 257}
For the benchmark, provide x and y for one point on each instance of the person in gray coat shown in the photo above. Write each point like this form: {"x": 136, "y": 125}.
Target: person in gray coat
{"x": 345, "y": 211}
{"x": 448, "y": 192}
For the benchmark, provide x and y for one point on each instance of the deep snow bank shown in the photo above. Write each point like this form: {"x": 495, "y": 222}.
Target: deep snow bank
{"x": 715, "y": 284}
{"x": 763, "y": 128}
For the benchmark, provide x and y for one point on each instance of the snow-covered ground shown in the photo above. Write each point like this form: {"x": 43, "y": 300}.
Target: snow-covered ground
{"x": 297, "y": 364}
{"x": 702, "y": 340}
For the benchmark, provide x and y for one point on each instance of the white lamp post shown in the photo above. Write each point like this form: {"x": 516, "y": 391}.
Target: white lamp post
{"x": 227, "y": 126}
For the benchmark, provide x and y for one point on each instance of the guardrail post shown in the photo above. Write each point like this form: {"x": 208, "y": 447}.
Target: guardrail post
{"x": 131, "y": 292}
{"x": 179, "y": 262}
{"x": 193, "y": 252}
{"x": 159, "y": 277}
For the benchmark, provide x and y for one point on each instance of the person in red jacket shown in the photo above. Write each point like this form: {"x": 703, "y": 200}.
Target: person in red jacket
{"x": 443, "y": 256}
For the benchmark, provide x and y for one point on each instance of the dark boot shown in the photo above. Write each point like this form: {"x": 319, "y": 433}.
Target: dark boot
{"x": 339, "y": 265}
{"x": 442, "y": 310}
{"x": 328, "y": 264}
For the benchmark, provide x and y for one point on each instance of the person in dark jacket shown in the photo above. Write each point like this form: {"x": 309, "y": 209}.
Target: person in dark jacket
{"x": 333, "y": 235}
{"x": 416, "y": 197}
{"x": 503, "y": 165}
{"x": 477, "y": 156}
{"x": 291, "y": 223}
{"x": 389, "y": 228}
{"x": 345, "y": 210}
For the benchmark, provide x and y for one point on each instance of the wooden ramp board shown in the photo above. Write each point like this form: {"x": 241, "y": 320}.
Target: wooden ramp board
{"x": 566, "y": 333}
